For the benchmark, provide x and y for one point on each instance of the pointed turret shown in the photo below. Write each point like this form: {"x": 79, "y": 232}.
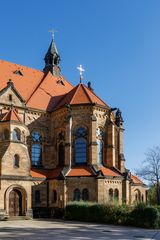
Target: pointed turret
{"x": 52, "y": 59}
{"x": 119, "y": 119}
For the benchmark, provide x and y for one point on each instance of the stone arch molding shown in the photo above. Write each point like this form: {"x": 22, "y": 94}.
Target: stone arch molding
{"x": 24, "y": 198}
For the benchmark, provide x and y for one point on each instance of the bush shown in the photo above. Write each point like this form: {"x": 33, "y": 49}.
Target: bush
{"x": 141, "y": 215}
{"x": 144, "y": 216}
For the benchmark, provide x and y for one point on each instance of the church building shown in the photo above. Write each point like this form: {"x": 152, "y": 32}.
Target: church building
{"x": 58, "y": 143}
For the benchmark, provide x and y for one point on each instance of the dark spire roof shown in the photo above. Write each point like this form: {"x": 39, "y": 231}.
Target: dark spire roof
{"x": 52, "y": 60}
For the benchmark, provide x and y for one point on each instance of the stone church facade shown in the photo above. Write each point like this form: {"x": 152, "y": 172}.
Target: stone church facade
{"x": 58, "y": 143}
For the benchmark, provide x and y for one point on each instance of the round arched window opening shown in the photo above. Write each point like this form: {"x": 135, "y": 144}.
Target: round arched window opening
{"x": 16, "y": 134}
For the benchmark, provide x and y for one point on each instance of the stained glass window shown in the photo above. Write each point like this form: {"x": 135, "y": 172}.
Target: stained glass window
{"x": 80, "y": 150}
{"x": 36, "y": 149}
{"x": 80, "y": 146}
{"x": 100, "y": 151}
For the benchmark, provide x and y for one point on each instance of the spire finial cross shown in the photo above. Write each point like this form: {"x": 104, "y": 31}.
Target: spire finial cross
{"x": 81, "y": 70}
{"x": 52, "y": 31}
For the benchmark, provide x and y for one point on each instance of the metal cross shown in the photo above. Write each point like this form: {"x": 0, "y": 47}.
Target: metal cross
{"x": 81, "y": 70}
{"x": 52, "y": 31}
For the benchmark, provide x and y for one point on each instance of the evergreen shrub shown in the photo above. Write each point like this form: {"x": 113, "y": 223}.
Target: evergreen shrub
{"x": 141, "y": 215}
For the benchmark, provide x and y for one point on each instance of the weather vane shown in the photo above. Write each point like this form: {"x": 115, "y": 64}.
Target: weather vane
{"x": 52, "y": 31}
{"x": 81, "y": 70}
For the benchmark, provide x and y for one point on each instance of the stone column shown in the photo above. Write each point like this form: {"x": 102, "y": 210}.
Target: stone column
{"x": 110, "y": 159}
{"x": 92, "y": 141}
{"x": 68, "y": 144}
{"x": 121, "y": 153}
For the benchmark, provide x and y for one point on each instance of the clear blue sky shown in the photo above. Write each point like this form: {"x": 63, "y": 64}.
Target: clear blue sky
{"x": 117, "y": 42}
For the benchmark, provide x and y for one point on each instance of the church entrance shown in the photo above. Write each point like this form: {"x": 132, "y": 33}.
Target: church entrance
{"x": 15, "y": 203}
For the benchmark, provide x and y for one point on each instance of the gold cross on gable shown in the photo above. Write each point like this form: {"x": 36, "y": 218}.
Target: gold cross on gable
{"x": 81, "y": 70}
{"x": 52, "y": 31}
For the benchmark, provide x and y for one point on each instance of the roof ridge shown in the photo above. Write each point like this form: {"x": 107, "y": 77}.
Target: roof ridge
{"x": 96, "y": 96}
{"x": 83, "y": 86}
{"x": 38, "y": 85}
{"x": 64, "y": 95}
{"x": 76, "y": 88}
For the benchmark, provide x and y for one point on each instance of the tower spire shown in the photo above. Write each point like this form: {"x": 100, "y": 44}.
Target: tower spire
{"x": 52, "y": 58}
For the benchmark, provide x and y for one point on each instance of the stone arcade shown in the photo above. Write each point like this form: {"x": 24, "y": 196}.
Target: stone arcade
{"x": 58, "y": 143}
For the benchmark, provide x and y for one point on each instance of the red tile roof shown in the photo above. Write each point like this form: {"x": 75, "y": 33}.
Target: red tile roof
{"x": 36, "y": 88}
{"x": 11, "y": 116}
{"x": 45, "y": 91}
{"x": 80, "y": 171}
{"x": 136, "y": 179}
{"x": 80, "y": 95}
{"x": 109, "y": 172}
{"x": 47, "y": 173}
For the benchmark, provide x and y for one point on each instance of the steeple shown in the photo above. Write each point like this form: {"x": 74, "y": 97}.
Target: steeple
{"x": 52, "y": 59}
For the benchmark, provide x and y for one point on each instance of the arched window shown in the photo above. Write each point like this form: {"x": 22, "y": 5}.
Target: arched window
{"x": 36, "y": 149}
{"x": 80, "y": 146}
{"x": 6, "y": 134}
{"x": 76, "y": 195}
{"x": 61, "y": 154}
{"x": 85, "y": 194}
{"x": 37, "y": 196}
{"x": 116, "y": 195}
{"x": 100, "y": 151}
{"x": 137, "y": 195}
{"x": 16, "y": 135}
{"x": 54, "y": 196}
{"x": 99, "y": 136}
{"x": 16, "y": 161}
{"x": 110, "y": 195}
{"x": 142, "y": 198}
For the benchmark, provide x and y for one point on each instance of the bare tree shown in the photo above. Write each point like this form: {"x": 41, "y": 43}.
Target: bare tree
{"x": 150, "y": 169}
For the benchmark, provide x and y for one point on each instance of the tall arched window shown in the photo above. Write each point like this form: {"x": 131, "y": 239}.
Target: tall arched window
{"x": 110, "y": 194}
{"x": 37, "y": 196}
{"x": 80, "y": 146}
{"x": 137, "y": 195}
{"x": 36, "y": 149}
{"x": 16, "y": 161}
{"x": 142, "y": 198}
{"x": 116, "y": 195}
{"x": 54, "y": 196}
{"x": 85, "y": 194}
{"x": 16, "y": 134}
{"x": 61, "y": 154}
{"x": 76, "y": 195}
{"x": 99, "y": 136}
{"x": 99, "y": 151}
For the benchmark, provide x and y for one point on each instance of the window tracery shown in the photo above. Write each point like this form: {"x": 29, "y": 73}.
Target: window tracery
{"x": 80, "y": 145}
{"x": 36, "y": 151}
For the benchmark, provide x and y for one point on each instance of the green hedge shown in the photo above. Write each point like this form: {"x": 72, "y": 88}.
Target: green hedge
{"x": 141, "y": 215}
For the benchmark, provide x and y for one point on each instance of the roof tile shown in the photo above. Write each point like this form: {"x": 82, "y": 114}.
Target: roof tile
{"x": 80, "y": 95}
{"x": 109, "y": 172}
{"x": 80, "y": 171}
{"x": 11, "y": 116}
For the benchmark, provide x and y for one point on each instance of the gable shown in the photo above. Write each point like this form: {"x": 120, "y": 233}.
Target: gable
{"x": 10, "y": 96}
